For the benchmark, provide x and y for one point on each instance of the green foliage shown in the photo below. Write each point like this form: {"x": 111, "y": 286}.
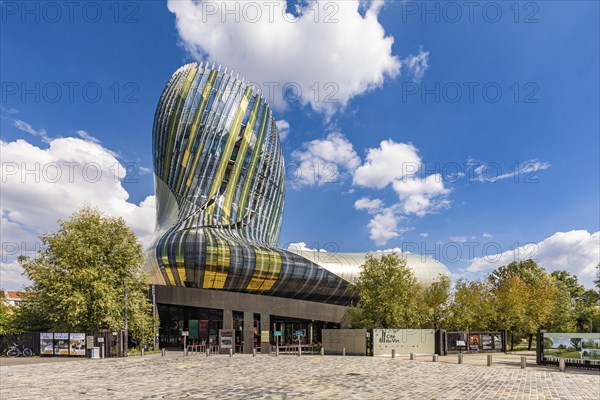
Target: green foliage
{"x": 388, "y": 294}
{"x": 80, "y": 276}
{"x": 472, "y": 307}
{"x": 6, "y": 317}
{"x": 434, "y": 302}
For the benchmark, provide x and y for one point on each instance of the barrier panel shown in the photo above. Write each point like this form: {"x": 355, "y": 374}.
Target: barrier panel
{"x": 334, "y": 341}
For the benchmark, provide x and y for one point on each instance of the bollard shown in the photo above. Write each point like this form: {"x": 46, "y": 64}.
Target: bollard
{"x": 277, "y": 351}
{"x": 299, "y": 350}
{"x": 185, "y": 352}
{"x": 230, "y": 352}
{"x": 523, "y": 362}
{"x": 253, "y": 352}
{"x": 207, "y": 352}
{"x": 489, "y": 360}
{"x": 413, "y": 356}
{"x": 322, "y": 351}
{"x": 435, "y": 358}
{"x": 562, "y": 366}
{"x": 344, "y": 351}
{"x": 163, "y": 351}
{"x": 460, "y": 358}
{"x": 393, "y": 353}
{"x": 142, "y": 352}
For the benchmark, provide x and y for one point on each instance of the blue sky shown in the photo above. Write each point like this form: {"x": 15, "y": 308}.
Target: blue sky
{"x": 544, "y": 60}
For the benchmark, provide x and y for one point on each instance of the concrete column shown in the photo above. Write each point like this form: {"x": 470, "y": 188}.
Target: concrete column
{"x": 265, "y": 324}
{"x": 248, "y": 332}
{"x": 227, "y": 319}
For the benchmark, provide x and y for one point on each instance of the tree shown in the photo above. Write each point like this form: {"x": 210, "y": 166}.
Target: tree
{"x": 434, "y": 302}
{"x": 80, "y": 276}
{"x": 525, "y": 296}
{"x": 388, "y": 295}
{"x": 472, "y": 307}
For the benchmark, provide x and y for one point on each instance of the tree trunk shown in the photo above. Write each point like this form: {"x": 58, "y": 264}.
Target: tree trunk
{"x": 530, "y": 341}
{"x": 512, "y": 340}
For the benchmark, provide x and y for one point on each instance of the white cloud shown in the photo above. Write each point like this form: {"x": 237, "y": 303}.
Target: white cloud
{"x": 371, "y": 206}
{"x": 323, "y": 161}
{"x": 40, "y": 186}
{"x": 388, "y": 162}
{"x": 421, "y": 196}
{"x": 283, "y": 128}
{"x": 86, "y": 136}
{"x": 301, "y": 246}
{"x": 27, "y": 128}
{"x": 458, "y": 239}
{"x": 576, "y": 251}
{"x": 493, "y": 172}
{"x": 398, "y": 164}
{"x": 416, "y": 65}
{"x": 383, "y": 227}
{"x": 424, "y": 234}
{"x": 348, "y": 50}
{"x": 487, "y": 235}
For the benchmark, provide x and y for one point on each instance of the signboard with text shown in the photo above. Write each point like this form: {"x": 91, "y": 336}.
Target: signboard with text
{"x": 403, "y": 341}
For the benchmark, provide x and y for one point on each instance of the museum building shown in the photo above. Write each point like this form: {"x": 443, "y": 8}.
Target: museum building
{"x": 220, "y": 189}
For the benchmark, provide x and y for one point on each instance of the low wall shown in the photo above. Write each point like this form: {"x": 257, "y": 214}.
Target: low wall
{"x": 353, "y": 340}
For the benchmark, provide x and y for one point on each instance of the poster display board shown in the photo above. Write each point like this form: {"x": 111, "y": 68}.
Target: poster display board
{"x": 47, "y": 343}
{"x": 61, "y": 343}
{"x": 77, "y": 344}
{"x": 578, "y": 346}
{"x": 226, "y": 340}
{"x": 403, "y": 341}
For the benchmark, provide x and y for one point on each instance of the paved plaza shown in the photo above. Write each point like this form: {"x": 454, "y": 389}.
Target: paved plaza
{"x": 289, "y": 377}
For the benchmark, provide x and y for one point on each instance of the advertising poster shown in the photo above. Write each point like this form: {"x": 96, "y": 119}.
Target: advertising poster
{"x": 46, "y": 343}
{"x": 226, "y": 340}
{"x": 77, "y": 344}
{"x": 193, "y": 329}
{"x": 61, "y": 344}
{"x": 486, "y": 342}
{"x": 474, "y": 342}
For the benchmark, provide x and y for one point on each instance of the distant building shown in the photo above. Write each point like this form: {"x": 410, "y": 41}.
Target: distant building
{"x": 13, "y": 298}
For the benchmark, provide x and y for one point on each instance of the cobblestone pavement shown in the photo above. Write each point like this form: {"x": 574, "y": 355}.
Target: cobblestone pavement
{"x": 287, "y": 377}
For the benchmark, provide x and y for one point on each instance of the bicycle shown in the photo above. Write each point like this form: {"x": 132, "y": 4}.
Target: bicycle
{"x": 15, "y": 351}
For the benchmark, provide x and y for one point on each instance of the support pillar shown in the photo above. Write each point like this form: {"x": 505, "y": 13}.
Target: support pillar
{"x": 248, "y": 332}
{"x": 265, "y": 323}
{"x": 227, "y": 319}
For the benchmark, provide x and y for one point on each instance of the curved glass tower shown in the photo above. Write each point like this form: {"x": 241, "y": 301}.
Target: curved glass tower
{"x": 220, "y": 189}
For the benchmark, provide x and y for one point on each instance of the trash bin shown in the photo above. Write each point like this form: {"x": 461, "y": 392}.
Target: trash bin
{"x": 146, "y": 347}
{"x": 94, "y": 352}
